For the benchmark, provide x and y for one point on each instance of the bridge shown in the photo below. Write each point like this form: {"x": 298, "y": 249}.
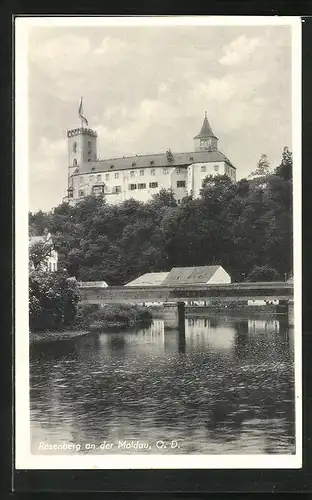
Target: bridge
{"x": 174, "y": 297}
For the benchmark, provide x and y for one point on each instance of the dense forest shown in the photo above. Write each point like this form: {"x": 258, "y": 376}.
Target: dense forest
{"x": 241, "y": 225}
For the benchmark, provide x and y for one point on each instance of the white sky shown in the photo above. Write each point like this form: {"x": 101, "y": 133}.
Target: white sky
{"x": 146, "y": 90}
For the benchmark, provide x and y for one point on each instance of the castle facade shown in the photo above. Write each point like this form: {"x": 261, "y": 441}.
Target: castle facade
{"x": 142, "y": 176}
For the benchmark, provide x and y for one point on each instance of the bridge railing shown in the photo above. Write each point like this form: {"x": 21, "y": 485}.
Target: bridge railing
{"x": 235, "y": 291}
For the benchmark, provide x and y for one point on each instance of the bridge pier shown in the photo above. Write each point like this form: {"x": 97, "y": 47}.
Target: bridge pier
{"x": 287, "y": 307}
{"x": 290, "y": 312}
{"x": 174, "y": 315}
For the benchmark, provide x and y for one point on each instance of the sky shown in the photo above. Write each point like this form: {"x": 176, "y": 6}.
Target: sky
{"x": 146, "y": 89}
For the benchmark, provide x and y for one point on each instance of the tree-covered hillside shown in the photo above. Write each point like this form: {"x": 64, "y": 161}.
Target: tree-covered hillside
{"x": 242, "y": 226}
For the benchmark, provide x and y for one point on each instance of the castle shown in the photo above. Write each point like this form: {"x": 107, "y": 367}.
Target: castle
{"x": 142, "y": 176}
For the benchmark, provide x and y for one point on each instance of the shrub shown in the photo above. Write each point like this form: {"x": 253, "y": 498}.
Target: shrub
{"x": 263, "y": 273}
{"x": 53, "y": 300}
{"x": 125, "y": 315}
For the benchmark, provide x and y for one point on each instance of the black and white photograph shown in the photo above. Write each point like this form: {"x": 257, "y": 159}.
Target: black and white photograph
{"x": 158, "y": 242}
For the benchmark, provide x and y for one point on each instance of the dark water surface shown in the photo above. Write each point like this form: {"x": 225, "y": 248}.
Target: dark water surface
{"x": 227, "y": 387}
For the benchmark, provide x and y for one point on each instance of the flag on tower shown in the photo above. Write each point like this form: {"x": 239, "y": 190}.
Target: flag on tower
{"x": 83, "y": 118}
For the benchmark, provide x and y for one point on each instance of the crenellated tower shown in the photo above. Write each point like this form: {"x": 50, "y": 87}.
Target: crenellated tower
{"x": 82, "y": 148}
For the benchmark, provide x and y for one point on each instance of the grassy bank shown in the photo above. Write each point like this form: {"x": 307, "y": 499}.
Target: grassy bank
{"x": 112, "y": 316}
{"x": 93, "y": 318}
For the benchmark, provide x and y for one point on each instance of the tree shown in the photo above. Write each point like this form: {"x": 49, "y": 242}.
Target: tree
{"x": 53, "y": 300}
{"x": 38, "y": 254}
{"x": 38, "y": 222}
{"x": 263, "y": 273}
{"x": 284, "y": 170}
{"x": 263, "y": 167}
{"x": 165, "y": 198}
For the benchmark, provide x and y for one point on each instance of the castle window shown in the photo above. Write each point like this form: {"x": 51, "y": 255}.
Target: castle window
{"x": 165, "y": 171}
{"x": 107, "y": 177}
{"x": 178, "y": 170}
{"x": 99, "y": 178}
{"x": 132, "y": 187}
{"x": 153, "y": 184}
{"x": 152, "y": 171}
{"x": 116, "y": 175}
{"x": 81, "y": 180}
{"x": 75, "y": 162}
{"x": 91, "y": 178}
{"x": 133, "y": 164}
{"x": 116, "y": 189}
{"x": 142, "y": 172}
{"x": 180, "y": 184}
{"x": 152, "y": 162}
{"x": 81, "y": 192}
{"x": 89, "y": 147}
{"x": 141, "y": 186}
{"x": 216, "y": 168}
{"x": 112, "y": 166}
{"x": 203, "y": 168}
{"x": 132, "y": 173}
{"x": 75, "y": 147}
{"x": 97, "y": 189}
{"x": 191, "y": 158}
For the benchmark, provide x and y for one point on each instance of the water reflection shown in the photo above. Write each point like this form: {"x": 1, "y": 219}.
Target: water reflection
{"x": 220, "y": 385}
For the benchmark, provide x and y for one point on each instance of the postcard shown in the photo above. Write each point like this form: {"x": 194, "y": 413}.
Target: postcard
{"x": 158, "y": 242}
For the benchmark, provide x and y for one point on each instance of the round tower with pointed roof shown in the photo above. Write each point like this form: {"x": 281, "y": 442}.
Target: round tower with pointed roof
{"x": 206, "y": 140}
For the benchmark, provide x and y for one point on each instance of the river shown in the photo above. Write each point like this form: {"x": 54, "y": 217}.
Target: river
{"x": 227, "y": 387}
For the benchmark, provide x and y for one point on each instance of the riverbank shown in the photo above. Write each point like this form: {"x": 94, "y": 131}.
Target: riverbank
{"x": 93, "y": 318}
{"x": 50, "y": 336}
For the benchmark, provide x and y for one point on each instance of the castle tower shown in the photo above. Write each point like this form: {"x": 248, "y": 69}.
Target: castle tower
{"x": 206, "y": 140}
{"x": 81, "y": 148}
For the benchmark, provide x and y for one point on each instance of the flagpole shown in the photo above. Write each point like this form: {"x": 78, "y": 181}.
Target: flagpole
{"x": 81, "y": 119}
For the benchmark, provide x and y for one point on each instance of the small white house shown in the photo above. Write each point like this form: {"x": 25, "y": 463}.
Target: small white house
{"x": 51, "y": 257}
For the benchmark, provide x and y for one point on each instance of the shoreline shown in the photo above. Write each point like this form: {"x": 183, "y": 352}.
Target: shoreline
{"x": 65, "y": 335}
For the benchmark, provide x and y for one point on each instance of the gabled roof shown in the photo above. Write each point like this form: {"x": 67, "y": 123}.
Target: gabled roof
{"x": 190, "y": 275}
{"x": 36, "y": 239}
{"x": 149, "y": 279}
{"x": 206, "y": 130}
{"x": 45, "y": 238}
{"x": 151, "y": 161}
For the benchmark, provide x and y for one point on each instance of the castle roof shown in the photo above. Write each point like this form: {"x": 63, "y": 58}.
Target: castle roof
{"x": 152, "y": 160}
{"x": 206, "y": 130}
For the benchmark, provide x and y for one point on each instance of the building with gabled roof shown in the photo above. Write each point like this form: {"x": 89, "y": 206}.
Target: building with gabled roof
{"x": 142, "y": 176}
{"x": 199, "y": 275}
